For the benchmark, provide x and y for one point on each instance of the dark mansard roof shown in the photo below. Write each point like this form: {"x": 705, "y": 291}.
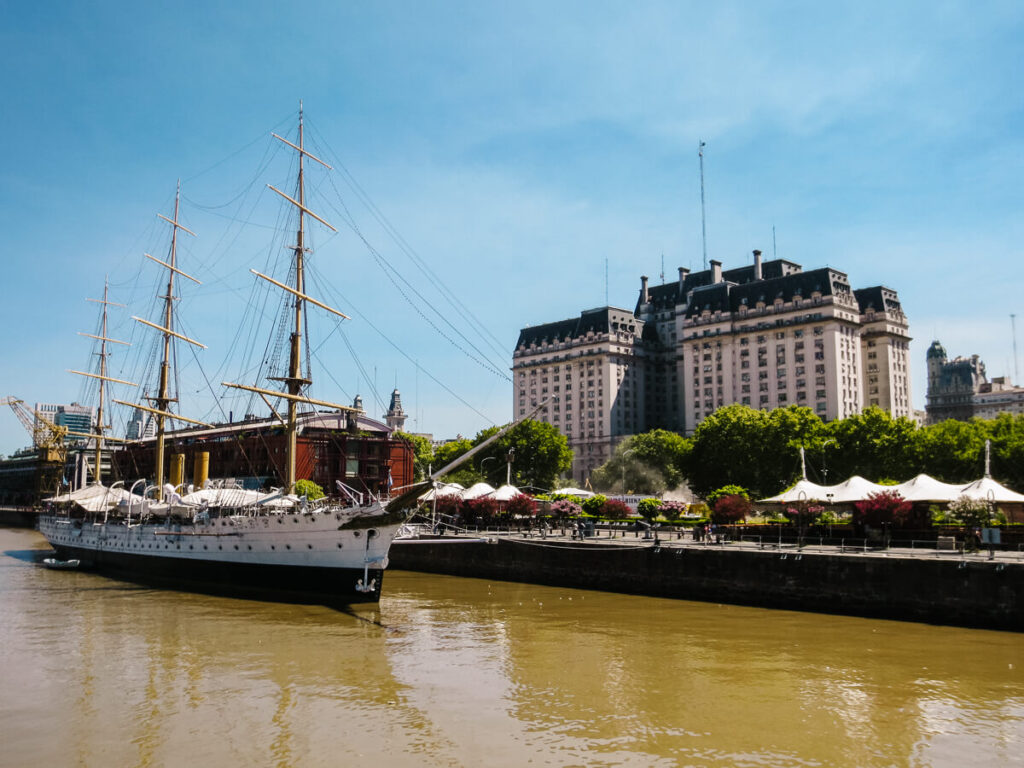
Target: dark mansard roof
{"x": 596, "y": 320}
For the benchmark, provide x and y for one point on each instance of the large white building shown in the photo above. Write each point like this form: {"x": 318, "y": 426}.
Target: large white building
{"x": 590, "y": 369}
{"x": 765, "y": 335}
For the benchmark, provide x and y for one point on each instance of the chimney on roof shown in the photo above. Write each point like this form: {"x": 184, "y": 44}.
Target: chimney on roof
{"x": 683, "y": 272}
{"x": 645, "y": 297}
{"x": 757, "y": 264}
{"x": 716, "y": 271}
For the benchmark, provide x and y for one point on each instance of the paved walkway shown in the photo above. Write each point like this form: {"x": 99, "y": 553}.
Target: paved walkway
{"x": 922, "y": 551}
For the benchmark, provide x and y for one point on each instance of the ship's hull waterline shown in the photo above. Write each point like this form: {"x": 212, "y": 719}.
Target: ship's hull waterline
{"x": 293, "y": 557}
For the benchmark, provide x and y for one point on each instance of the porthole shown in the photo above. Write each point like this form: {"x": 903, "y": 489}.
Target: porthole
{"x": 279, "y": 520}
{"x": 356, "y": 534}
{"x": 339, "y": 545}
{"x": 295, "y": 519}
{"x": 236, "y": 546}
{"x": 310, "y": 546}
{"x": 249, "y": 546}
{"x": 191, "y": 547}
{"x": 287, "y": 546}
{"x": 220, "y": 546}
{"x": 273, "y": 547}
{"x": 372, "y": 533}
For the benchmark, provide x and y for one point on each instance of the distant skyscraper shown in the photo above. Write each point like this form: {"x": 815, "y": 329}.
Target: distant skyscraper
{"x": 77, "y": 418}
{"x": 141, "y": 425}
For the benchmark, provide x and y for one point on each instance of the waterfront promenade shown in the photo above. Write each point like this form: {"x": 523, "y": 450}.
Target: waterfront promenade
{"x": 910, "y": 581}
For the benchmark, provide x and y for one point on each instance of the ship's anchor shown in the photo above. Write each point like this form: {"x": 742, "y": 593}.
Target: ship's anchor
{"x": 366, "y": 584}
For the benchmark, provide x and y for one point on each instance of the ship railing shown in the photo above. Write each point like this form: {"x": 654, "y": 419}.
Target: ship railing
{"x": 356, "y": 497}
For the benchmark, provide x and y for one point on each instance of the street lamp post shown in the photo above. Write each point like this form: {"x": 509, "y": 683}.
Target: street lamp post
{"x": 824, "y": 467}
{"x": 508, "y": 470}
{"x": 489, "y": 458}
{"x": 624, "y": 455}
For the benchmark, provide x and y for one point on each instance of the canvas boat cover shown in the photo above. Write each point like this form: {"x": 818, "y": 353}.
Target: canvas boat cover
{"x": 96, "y": 498}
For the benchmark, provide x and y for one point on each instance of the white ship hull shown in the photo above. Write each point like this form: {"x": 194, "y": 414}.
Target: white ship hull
{"x": 331, "y": 554}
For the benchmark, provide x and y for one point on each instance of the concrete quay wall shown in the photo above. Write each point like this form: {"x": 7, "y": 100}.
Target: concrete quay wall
{"x": 965, "y": 592}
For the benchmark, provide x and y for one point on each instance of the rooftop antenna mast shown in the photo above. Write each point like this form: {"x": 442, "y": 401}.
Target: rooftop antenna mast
{"x": 775, "y": 251}
{"x": 606, "y": 281}
{"x": 703, "y": 227}
{"x": 662, "y": 267}
{"x": 1013, "y": 328}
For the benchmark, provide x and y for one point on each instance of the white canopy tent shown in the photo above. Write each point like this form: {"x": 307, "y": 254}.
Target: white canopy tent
{"x": 988, "y": 489}
{"x": 575, "y": 492}
{"x": 921, "y": 488}
{"x": 478, "y": 490}
{"x": 925, "y": 488}
{"x": 443, "y": 489}
{"x": 804, "y": 490}
{"x": 506, "y": 493}
{"x": 855, "y": 488}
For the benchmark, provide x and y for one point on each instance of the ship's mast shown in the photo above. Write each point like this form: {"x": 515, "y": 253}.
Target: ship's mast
{"x": 163, "y": 398}
{"x": 295, "y": 381}
{"x": 98, "y": 436}
{"x": 103, "y": 375}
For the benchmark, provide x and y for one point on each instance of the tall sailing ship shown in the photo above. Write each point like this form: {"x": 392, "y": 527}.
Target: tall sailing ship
{"x": 275, "y": 544}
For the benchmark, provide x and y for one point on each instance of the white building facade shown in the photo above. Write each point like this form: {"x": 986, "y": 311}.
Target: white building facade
{"x": 766, "y": 335}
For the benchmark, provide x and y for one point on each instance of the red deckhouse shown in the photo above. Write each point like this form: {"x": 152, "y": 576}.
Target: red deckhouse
{"x": 354, "y": 449}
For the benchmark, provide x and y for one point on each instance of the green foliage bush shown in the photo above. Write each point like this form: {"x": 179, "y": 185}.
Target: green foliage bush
{"x": 309, "y": 489}
{"x": 728, "y": 490}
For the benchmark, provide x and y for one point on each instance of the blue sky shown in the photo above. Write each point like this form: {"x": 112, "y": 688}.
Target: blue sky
{"x": 516, "y": 148}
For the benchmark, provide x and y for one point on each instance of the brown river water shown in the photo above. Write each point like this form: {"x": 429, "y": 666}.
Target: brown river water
{"x": 464, "y": 672}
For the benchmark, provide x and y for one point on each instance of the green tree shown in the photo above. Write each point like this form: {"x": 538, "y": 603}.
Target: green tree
{"x": 650, "y": 462}
{"x": 450, "y": 451}
{"x": 539, "y": 453}
{"x": 874, "y": 445}
{"x": 952, "y": 451}
{"x": 625, "y": 473}
{"x": 759, "y": 450}
{"x": 309, "y": 489}
{"x": 1007, "y": 435}
{"x": 663, "y": 451}
{"x": 422, "y": 452}
{"x": 649, "y": 509}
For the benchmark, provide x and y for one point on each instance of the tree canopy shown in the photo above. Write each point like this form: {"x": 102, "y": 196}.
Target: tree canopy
{"x": 760, "y": 450}
{"x": 422, "y": 452}
{"x": 646, "y": 463}
{"x": 539, "y": 454}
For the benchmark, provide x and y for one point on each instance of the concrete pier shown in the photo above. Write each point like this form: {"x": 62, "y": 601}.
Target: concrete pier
{"x": 932, "y": 586}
